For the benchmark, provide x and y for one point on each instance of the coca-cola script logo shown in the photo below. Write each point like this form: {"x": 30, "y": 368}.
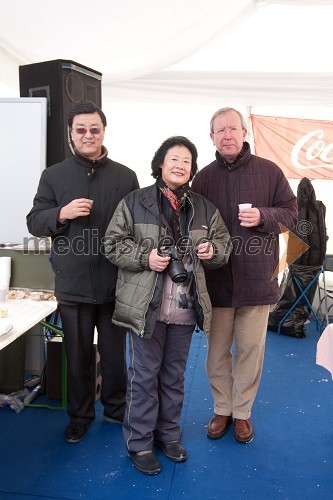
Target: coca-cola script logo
{"x": 309, "y": 147}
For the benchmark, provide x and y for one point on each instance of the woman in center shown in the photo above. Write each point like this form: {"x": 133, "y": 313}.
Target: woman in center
{"x": 161, "y": 237}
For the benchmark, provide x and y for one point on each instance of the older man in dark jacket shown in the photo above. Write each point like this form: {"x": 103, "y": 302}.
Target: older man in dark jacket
{"x": 242, "y": 291}
{"x": 73, "y": 205}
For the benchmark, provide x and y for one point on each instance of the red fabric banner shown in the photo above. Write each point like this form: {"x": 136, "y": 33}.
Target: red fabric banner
{"x": 301, "y": 148}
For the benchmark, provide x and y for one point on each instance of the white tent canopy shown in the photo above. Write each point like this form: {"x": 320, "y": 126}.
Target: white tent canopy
{"x": 251, "y": 51}
{"x": 167, "y": 66}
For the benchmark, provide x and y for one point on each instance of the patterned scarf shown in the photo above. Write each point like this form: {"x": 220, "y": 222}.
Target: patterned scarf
{"x": 177, "y": 200}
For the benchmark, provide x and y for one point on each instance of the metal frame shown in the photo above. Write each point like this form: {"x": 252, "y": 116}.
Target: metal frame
{"x": 303, "y": 296}
{"x": 327, "y": 292}
{"x": 59, "y": 333}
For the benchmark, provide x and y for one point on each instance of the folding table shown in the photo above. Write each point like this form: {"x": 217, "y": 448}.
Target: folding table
{"x": 23, "y": 314}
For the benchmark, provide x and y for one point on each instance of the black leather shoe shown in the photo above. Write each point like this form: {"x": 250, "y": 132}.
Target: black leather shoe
{"x": 173, "y": 450}
{"x": 75, "y": 432}
{"x": 146, "y": 463}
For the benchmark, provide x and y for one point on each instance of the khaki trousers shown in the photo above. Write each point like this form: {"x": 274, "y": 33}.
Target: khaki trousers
{"x": 236, "y": 346}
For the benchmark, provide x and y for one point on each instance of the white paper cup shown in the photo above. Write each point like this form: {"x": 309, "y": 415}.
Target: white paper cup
{"x": 3, "y": 293}
{"x": 4, "y": 284}
{"x": 243, "y": 206}
{"x": 5, "y": 267}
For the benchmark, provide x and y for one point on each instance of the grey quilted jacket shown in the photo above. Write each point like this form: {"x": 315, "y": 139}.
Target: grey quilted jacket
{"x": 134, "y": 230}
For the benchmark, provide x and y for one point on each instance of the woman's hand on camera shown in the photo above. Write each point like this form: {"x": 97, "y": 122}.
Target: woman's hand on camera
{"x": 205, "y": 250}
{"x": 157, "y": 262}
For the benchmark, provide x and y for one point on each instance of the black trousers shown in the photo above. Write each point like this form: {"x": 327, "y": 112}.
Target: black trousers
{"x": 155, "y": 391}
{"x": 78, "y": 323}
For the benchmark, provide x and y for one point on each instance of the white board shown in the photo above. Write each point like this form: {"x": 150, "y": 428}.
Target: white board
{"x": 22, "y": 160}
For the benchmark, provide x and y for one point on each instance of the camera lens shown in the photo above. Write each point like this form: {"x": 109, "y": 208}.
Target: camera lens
{"x": 177, "y": 271}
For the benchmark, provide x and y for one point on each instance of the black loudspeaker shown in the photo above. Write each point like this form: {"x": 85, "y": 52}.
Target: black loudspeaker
{"x": 53, "y": 371}
{"x": 64, "y": 84}
{"x": 12, "y": 361}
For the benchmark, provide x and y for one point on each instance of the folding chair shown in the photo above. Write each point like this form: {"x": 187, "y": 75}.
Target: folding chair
{"x": 325, "y": 289}
{"x": 304, "y": 294}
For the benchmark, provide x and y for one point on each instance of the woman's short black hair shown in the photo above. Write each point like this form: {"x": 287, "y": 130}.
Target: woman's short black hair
{"x": 159, "y": 156}
{"x": 84, "y": 108}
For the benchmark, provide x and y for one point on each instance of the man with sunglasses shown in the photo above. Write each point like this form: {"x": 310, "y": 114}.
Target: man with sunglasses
{"x": 74, "y": 203}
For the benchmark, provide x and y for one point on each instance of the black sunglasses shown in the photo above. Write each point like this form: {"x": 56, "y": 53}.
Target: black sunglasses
{"x": 92, "y": 130}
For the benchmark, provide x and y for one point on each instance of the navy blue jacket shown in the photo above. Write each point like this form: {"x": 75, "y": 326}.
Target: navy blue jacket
{"x": 82, "y": 272}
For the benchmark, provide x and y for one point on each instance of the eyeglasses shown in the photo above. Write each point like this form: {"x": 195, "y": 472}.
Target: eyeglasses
{"x": 223, "y": 131}
{"x": 92, "y": 130}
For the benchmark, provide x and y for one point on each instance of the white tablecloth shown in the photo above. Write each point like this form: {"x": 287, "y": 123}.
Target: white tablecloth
{"x": 24, "y": 314}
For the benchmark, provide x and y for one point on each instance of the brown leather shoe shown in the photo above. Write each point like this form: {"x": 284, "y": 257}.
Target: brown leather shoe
{"x": 243, "y": 431}
{"x": 218, "y": 426}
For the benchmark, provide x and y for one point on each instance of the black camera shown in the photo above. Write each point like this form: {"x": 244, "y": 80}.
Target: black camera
{"x": 176, "y": 268}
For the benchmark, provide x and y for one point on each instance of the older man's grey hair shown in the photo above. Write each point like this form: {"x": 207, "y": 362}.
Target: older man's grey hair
{"x": 223, "y": 111}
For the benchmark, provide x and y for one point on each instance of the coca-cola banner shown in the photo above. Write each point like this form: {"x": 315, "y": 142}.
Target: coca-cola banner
{"x": 301, "y": 148}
